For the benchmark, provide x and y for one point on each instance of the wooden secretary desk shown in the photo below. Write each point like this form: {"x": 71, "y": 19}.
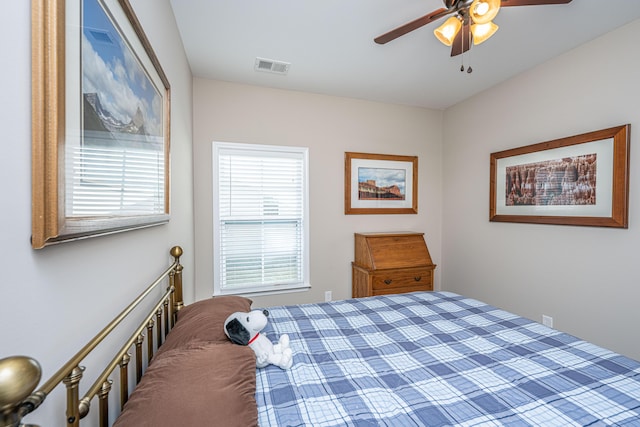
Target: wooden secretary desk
{"x": 391, "y": 263}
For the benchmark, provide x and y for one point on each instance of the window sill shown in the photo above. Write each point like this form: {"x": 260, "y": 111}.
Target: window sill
{"x": 258, "y": 293}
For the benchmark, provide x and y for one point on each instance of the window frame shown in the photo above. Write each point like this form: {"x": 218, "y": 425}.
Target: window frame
{"x": 304, "y": 284}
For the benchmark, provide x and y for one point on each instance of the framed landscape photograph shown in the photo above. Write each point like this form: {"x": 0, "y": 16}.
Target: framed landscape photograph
{"x": 579, "y": 180}
{"x": 100, "y": 122}
{"x": 380, "y": 184}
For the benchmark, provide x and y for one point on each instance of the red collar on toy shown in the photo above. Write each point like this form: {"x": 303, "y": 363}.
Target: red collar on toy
{"x": 253, "y": 339}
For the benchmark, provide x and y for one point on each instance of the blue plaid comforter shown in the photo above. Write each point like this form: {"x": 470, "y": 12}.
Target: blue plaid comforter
{"x": 439, "y": 359}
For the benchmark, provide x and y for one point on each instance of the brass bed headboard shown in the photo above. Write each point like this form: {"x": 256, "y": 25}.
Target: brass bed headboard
{"x": 20, "y": 375}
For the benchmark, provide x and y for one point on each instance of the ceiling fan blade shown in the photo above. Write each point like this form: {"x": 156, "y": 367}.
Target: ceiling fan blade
{"x": 462, "y": 42}
{"x": 506, "y": 3}
{"x": 413, "y": 25}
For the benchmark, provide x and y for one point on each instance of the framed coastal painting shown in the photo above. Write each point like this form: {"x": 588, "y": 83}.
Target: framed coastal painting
{"x": 380, "y": 184}
{"x": 578, "y": 180}
{"x": 100, "y": 122}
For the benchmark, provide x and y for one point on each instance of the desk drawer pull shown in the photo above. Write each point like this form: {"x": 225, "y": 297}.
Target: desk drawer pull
{"x": 388, "y": 281}
{"x": 417, "y": 278}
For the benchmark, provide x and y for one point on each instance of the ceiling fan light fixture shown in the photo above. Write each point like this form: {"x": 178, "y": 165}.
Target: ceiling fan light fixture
{"x": 447, "y": 32}
{"x": 482, "y": 32}
{"x": 483, "y": 11}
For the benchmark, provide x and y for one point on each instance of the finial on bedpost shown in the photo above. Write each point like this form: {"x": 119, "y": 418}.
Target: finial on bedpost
{"x": 19, "y": 376}
{"x": 176, "y": 253}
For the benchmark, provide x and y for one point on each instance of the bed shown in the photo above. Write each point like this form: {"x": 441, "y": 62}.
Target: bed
{"x": 439, "y": 359}
{"x": 415, "y": 359}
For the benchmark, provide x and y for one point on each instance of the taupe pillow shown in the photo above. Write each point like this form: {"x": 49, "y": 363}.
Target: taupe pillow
{"x": 203, "y": 321}
{"x": 205, "y": 385}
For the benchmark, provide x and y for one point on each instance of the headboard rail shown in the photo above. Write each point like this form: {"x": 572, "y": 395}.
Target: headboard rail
{"x": 121, "y": 359}
{"x": 22, "y": 374}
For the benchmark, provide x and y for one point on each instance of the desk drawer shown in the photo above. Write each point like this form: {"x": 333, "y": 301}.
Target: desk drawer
{"x": 418, "y": 278}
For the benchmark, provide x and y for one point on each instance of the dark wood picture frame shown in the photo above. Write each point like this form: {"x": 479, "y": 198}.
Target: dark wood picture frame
{"x": 381, "y": 165}
{"x": 607, "y": 204}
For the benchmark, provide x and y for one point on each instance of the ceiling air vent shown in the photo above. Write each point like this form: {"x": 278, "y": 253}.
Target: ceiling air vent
{"x": 271, "y": 66}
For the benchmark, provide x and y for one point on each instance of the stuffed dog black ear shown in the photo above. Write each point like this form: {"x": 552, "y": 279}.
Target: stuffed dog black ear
{"x": 237, "y": 333}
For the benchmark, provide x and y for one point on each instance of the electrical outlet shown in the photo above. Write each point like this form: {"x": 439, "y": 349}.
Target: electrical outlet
{"x": 547, "y": 320}
{"x": 327, "y": 296}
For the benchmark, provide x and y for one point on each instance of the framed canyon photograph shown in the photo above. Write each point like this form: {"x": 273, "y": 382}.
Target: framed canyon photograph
{"x": 380, "y": 184}
{"x": 578, "y": 180}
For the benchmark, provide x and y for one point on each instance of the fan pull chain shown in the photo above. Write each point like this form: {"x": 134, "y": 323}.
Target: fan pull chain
{"x": 469, "y": 69}
{"x": 462, "y": 54}
{"x": 468, "y": 37}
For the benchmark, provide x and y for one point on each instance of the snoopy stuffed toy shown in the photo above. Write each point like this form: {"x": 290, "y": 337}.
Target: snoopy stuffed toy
{"x": 244, "y": 329}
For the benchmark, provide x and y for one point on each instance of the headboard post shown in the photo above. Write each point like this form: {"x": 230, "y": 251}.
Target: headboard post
{"x": 176, "y": 281}
{"x": 103, "y": 399}
{"x": 72, "y": 382}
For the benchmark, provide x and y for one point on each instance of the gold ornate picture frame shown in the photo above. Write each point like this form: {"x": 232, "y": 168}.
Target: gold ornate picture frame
{"x": 100, "y": 122}
{"x": 578, "y": 180}
{"x": 380, "y": 184}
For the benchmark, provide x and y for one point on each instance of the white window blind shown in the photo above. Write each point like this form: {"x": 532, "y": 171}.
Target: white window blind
{"x": 114, "y": 181}
{"x": 260, "y": 215}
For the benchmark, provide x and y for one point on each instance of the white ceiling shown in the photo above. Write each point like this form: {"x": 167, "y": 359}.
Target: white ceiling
{"x": 330, "y": 46}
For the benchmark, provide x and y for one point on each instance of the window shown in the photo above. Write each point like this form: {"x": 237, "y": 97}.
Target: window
{"x": 260, "y": 215}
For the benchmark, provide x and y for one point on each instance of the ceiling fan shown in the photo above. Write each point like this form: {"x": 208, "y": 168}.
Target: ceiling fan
{"x": 470, "y": 22}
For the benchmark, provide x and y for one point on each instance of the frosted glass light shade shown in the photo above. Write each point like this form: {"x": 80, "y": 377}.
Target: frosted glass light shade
{"x": 482, "y": 32}
{"x": 446, "y": 32}
{"x": 483, "y": 11}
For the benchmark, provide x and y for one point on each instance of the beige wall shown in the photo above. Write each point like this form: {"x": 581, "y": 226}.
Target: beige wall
{"x": 41, "y": 291}
{"x": 586, "y": 278}
{"x": 329, "y": 126}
